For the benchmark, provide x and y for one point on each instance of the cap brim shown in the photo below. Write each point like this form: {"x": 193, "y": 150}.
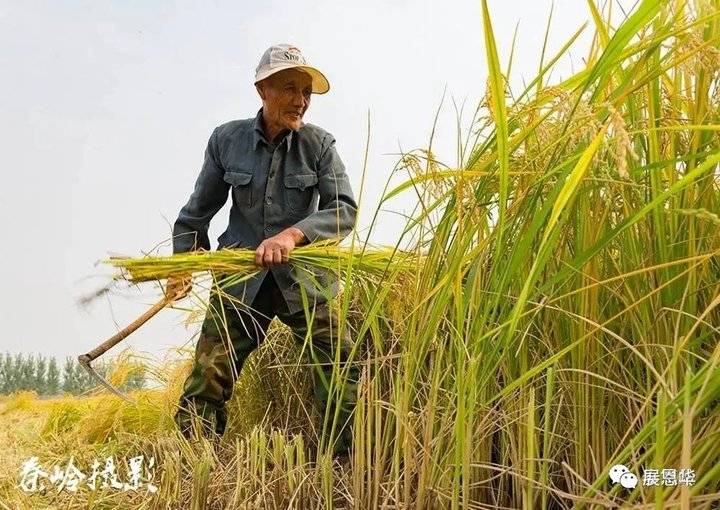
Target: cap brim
{"x": 320, "y": 84}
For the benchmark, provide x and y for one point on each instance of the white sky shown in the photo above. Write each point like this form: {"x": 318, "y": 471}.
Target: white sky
{"x": 107, "y": 107}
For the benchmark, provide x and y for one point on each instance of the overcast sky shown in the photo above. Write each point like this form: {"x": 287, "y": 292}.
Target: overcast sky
{"x": 106, "y": 108}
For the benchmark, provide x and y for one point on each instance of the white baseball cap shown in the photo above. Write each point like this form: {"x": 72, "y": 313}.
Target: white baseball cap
{"x": 285, "y": 56}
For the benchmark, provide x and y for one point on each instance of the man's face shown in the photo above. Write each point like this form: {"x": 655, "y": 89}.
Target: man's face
{"x": 286, "y": 98}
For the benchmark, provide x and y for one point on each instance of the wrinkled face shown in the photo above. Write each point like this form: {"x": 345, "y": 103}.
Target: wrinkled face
{"x": 286, "y": 98}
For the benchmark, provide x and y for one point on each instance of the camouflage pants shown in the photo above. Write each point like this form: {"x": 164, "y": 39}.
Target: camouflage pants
{"x": 215, "y": 369}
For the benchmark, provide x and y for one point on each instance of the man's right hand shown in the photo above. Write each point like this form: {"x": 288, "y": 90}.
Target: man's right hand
{"x": 178, "y": 287}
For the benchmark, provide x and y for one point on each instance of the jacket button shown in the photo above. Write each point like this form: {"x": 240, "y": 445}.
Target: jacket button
{"x": 268, "y": 200}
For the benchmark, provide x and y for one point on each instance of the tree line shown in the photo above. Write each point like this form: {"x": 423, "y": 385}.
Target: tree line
{"x": 44, "y": 376}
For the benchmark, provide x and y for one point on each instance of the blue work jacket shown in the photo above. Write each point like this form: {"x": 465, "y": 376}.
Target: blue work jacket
{"x": 296, "y": 180}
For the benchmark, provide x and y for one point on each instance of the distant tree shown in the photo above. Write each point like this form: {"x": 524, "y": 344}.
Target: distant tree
{"x": 52, "y": 381}
{"x": 18, "y": 362}
{"x": 70, "y": 380}
{"x": 16, "y": 371}
{"x": 10, "y": 375}
{"x": 40, "y": 381}
{"x": 27, "y": 373}
{"x": 3, "y": 376}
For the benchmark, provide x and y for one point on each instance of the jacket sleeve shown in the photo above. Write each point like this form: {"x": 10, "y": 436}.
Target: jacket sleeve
{"x": 335, "y": 217}
{"x": 190, "y": 231}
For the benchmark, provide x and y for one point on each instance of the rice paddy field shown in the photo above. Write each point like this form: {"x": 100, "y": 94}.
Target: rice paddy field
{"x": 552, "y": 310}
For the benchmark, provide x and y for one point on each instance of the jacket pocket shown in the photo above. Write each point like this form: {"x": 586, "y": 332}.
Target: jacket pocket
{"x": 299, "y": 191}
{"x": 242, "y": 187}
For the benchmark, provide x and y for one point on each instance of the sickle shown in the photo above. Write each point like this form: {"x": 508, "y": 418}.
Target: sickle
{"x": 86, "y": 359}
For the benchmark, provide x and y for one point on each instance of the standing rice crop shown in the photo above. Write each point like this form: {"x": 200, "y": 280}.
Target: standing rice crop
{"x": 565, "y": 318}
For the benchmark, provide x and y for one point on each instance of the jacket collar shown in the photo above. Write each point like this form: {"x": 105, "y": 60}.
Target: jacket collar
{"x": 259, "y": 134}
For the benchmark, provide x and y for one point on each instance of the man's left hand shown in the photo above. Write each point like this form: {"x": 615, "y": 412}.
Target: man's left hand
{"x": 276, "y": 250}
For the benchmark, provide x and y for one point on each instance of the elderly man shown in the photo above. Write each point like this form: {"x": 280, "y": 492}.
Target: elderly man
{"x": 289, "y": 187}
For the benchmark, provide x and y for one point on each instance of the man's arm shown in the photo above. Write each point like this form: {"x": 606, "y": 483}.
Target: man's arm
{"x": 190, "y": 231}
{"x": 335, "y": 217}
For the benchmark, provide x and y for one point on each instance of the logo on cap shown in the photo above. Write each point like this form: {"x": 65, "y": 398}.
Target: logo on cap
{"x": 293, "y": 56}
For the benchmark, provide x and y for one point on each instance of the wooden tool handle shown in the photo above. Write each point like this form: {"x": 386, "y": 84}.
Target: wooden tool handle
{"x": 123, "y": 333}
